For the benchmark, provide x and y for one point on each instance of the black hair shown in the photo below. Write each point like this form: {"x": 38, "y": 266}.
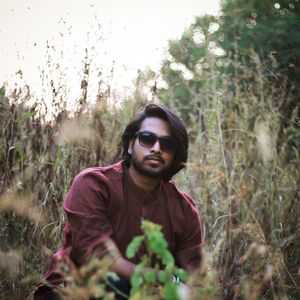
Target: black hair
{"x": 178, "y": 132}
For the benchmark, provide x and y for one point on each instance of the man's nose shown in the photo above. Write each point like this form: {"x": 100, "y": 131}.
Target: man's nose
{"x": 156, "y": 147}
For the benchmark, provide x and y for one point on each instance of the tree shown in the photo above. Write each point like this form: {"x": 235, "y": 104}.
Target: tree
{"x": 186, "y": 70}
{"x": 250, "y": 39}
{"x": 267, "y": 28}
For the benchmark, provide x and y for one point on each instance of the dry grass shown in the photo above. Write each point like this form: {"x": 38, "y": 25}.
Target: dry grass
{"x": 243, "y": 173}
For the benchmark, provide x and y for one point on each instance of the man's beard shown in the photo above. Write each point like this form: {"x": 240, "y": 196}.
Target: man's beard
{"x": 138, "y": 165}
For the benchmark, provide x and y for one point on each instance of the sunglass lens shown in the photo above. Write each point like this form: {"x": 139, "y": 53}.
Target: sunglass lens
{"x": 147, "y": 139}
{"x": 168, "y": 144}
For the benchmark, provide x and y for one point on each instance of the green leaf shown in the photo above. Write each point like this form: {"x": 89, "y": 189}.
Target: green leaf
{"x": 134, "y": 246}
{"x": 163, "y": 277}
{"x": 170, "y": 291}
{"x": 136, "y": 280}
{"x": 150, "y": 276}
{"x": 168, "y": 259}
{"x": 158, "y": 245}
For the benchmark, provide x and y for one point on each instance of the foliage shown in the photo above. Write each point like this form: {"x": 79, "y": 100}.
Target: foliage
{"x": 187, "y": 71}
{"x": 265, "y": 27}
{"x": 249, "y": 37}
{"x": 263, "y": 31}
{"x": 147, "y": 278}
{"x": 38, "y": 159}
{"x": 234, "y": 80}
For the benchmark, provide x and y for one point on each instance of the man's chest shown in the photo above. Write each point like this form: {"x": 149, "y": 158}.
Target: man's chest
{"x": 127, "y": 213}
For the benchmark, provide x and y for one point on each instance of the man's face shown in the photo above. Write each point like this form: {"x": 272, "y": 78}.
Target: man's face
{"x": 151, "y": 161}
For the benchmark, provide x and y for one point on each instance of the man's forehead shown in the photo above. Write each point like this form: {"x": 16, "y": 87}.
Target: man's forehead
{"x": 157, "y": 126}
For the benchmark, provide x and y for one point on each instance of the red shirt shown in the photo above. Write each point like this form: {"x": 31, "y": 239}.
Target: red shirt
{"x": 104, "y": 203}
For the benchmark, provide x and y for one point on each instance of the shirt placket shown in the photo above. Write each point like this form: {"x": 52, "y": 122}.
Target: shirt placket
{"x": 144, "y": 207}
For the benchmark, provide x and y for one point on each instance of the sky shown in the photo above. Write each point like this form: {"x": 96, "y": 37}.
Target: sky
{"x": 47, "y": 39}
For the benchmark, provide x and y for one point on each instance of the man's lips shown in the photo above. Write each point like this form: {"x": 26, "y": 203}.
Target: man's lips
{"x": 154, "y": 158}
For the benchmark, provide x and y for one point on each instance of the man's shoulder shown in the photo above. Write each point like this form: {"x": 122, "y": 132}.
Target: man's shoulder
{"x": 180, "y": 195}
{"x": 109, "y": 172}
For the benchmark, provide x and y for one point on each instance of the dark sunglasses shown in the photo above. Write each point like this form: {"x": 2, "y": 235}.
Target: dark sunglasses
{"x": 148, "y": 139}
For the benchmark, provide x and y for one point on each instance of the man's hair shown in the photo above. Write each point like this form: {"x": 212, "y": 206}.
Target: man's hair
{"x": 178, "y": 132}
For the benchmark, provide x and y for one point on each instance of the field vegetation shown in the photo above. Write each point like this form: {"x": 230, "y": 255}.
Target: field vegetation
{"x": 234, "y": 80}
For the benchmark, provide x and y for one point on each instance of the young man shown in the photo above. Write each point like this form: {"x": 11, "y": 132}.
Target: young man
{"x": 108, "y": 203}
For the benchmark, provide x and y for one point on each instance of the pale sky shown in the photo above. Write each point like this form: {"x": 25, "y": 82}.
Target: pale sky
{"x": 133, "y": 33}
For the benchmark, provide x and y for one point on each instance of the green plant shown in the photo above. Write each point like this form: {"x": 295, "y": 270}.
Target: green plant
{"x": 156, "y": 280}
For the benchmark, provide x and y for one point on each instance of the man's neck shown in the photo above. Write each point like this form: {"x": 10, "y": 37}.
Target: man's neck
{"x": 146, "y": 183}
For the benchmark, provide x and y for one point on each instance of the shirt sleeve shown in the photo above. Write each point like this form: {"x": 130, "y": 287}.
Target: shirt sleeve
{"x": 188, "y": 249}
{"x": 85, "y": 206}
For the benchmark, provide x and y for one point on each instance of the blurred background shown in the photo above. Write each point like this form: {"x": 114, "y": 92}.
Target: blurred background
{"x": 74, "y": 73}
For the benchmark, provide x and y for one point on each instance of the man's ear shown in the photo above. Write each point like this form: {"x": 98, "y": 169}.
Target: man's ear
{"x": 130, "y": 145}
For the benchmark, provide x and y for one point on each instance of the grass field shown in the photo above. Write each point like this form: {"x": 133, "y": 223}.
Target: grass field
{"x": 243, "y": 172}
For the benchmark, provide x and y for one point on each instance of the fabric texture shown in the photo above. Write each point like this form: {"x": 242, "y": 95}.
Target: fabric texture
{"x": 104, "y": 203}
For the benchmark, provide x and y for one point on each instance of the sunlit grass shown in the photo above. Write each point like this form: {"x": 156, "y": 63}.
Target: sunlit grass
{"x": 243, "y": 173}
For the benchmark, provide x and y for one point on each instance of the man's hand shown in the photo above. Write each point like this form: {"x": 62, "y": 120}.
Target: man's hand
{"x": 184, "y": 292}
{"x": 123, "y": 267}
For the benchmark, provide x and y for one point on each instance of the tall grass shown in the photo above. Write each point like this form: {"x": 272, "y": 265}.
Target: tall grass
{"x": 38, "y": 160}
{"x": 243, "y": 173}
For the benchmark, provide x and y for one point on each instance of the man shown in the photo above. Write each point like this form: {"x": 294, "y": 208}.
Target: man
{"x": 108, "y": 203}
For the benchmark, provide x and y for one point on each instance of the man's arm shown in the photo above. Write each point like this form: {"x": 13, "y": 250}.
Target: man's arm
{"x": 188, "y": 246}
{"x": 123, "y": 267}
{"x": 90, "y": 227}
{"x": 87, "y": 216}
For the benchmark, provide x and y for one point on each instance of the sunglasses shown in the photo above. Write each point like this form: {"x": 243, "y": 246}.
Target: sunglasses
{"x": 148, "y": 139}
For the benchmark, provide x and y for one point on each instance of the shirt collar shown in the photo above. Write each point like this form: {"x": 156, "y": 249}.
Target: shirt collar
{"x": 139, "y": 192}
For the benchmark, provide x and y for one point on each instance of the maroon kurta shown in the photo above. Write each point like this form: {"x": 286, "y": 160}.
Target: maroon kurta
{"x": 104, "y": 202}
